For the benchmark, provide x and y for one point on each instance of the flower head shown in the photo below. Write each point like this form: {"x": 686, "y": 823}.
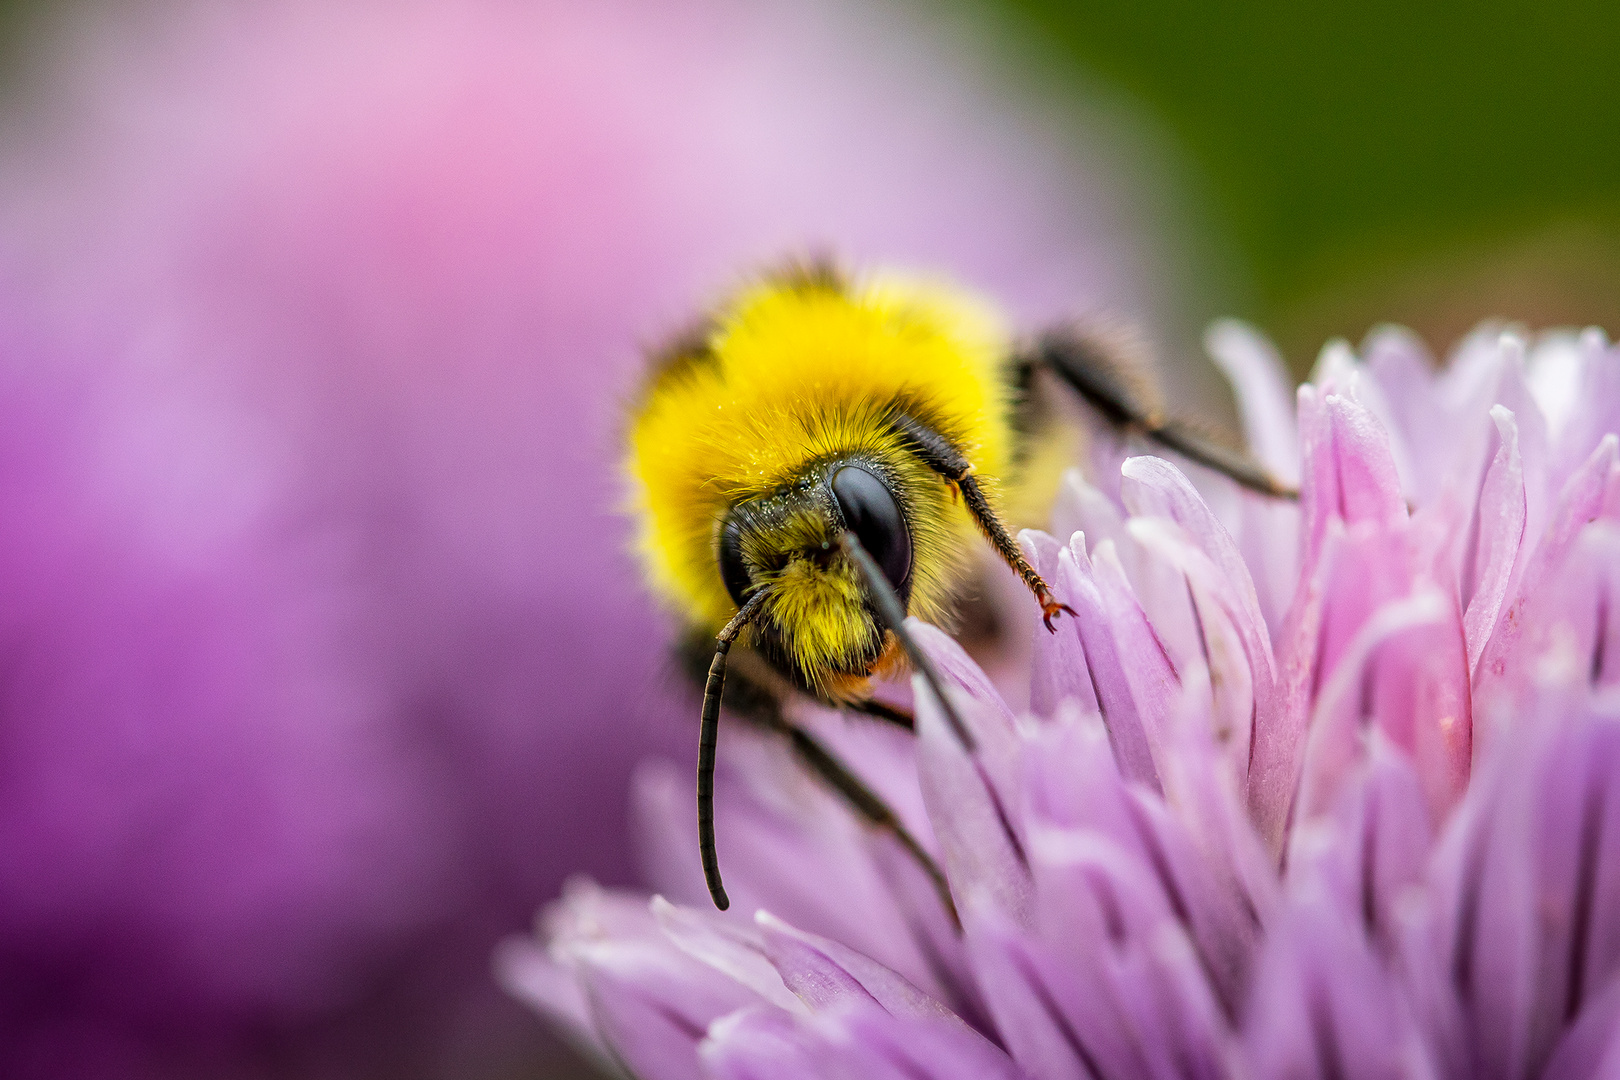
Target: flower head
{"x": 1319, "y": 790}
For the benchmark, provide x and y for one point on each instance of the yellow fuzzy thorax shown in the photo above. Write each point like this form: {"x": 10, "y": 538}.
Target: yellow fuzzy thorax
{"x": 795, "y": 371}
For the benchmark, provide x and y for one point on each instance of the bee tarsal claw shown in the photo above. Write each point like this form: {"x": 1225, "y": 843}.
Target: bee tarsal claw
{"x": 1050, "y": 609}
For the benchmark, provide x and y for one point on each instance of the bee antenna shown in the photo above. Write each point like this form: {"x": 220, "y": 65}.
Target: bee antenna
{"x": 893, "y": 612}
{"x": 709, "y": 737}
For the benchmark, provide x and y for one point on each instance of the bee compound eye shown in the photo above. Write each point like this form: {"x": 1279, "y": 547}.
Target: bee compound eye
{"x": 733, "y": 571}
{"x": 872, "y": 514}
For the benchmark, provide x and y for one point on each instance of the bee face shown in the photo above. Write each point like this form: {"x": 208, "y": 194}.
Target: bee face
{"x": 817, "y": 623}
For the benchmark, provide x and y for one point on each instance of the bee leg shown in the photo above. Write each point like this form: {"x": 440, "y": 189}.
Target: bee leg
{"x": 879, "y": 710}
{"x": 935, "y": 451}
{"x": 754, "y": 695}
{"x": 869, "y": 806}
{"x": 1106, "y": 384}
{"x": 1194, "y": 445}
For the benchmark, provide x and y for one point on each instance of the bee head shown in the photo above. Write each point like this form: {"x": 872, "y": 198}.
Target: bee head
{"x": 817, "y": 622}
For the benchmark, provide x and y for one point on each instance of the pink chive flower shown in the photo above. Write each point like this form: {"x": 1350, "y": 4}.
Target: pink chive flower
{"x": 1317, "y": 790}
{"x": 318, "y": 667}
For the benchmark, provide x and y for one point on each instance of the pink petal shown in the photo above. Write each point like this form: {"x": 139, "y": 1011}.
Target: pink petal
{"x": 1577, "y": 862}
{"x": 1405, "y": 372}
{"x": 860, "y": 1040}
{"x": 1374, "y": 565}
{"x": 1420, "y": 695}
{"x": 1483, "y": 950}
{"x": 727, "y": 946}
{"x": 919, "y": 1049}
{"x": 1182, "y": 1026}
{"x": 1324, "y": 1006}
{"x": 789, "y": 845}
{"x": 1528, "y": 880}
{"x": 762, "y": 1043}
{"x": 1106, "y": 448}
{"x": 1110, "y": 986}
{"x": 1268, "y": 528}
{"x": 825, "y": 974}
{"x": 1058, "y": 669}
{"x": 1261, "y": 385}
{"x": 645, "y": 1003}
{"x": 1468, "y": 386}
{"x": 1502, "y": 662}
{"x": 1349, "y": 471}
{"x": 1597, "y": 404}
{"x": 1206, "y": 798}
{"x": 1115, "y": 699}
{"x": 1236, "y": 647}
{"x": 1574, "y": 635}
{"x": 1404, "y": 671}
{"x": 1364, "y": 483}
{"x": 1595, "y": 611}
{"x": 947, "y": 975}
{"x": 1220, "y": 919}
{"x": 1339, "y": 374}
{"x": 1159, "y": 589}
{"x": 1080, "y": 507}
{"x": 1371, "y": 851}
{"x": 1590, "y": 1050}
{"x": 1269, "y": 540}
{"x": 1500, "y": 522}
{"x": 1278, "y": 746}
{"x": 1154, "y": 487}
{"x": 524, "y": 970}
{"x": 1450, "y": 421}
{"x": 653, "y": 1005}
{"x": 971, "y": 798}
{"x": 1513, "y": 393}
{"x": 1360, "y": 552}
{"x": 1553, "y": 375}
{"x": 1074, "y": 788}
{"x": 1149, "y": 674}
{"x": 1070, "y": 774}
{"x": 1029, "y": 1022}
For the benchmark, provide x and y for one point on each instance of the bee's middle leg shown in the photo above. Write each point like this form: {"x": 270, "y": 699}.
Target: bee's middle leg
{"x": 882, "y": 710}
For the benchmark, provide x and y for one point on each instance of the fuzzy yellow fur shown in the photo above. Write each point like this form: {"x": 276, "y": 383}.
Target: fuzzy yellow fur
{"x": 796, "y": 371}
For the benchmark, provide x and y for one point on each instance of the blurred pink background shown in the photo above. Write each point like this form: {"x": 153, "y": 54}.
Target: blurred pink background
{"x": 321, "y": 661}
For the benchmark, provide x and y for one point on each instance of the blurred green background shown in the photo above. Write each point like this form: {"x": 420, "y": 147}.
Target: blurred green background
{"x": 1426, "y": 163}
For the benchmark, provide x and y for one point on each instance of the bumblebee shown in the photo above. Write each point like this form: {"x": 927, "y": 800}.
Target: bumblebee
{"x": 815, "y": 461}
